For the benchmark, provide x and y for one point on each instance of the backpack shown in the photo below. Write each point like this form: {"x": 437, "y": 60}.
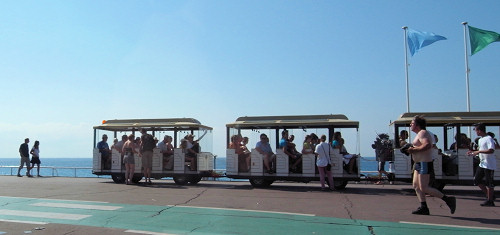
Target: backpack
{"x": 149, "y": 143}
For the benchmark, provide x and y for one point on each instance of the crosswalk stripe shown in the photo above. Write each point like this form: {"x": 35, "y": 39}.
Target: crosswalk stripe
{"x": 146, "y": 232}
{"x": 21, "y": 221}
{"x": 77, "y": 206}
{"x": 49, "y": 215}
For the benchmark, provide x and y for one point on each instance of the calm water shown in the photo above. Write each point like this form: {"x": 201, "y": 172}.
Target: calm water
{"x": 367, "y": 164}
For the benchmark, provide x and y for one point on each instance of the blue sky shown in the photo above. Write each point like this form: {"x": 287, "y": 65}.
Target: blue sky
{"x": 68, "y": 65}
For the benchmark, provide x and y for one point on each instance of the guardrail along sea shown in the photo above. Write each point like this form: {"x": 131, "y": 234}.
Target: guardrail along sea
{"x": 82, "y": 167}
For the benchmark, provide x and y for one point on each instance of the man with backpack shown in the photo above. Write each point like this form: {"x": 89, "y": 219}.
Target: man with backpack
{"x": 146, "y": 153}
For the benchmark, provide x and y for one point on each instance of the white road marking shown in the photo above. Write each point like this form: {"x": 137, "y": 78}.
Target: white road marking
{"x": 38, "y": 214}
{"x": 231, "y": 209}
{"x": 77, "y": 206}
{"x": 21, "y": 221}
{"x": 147, "y": 232}
{"x": 449, "y": 225}
{"x": 54, "y": 199}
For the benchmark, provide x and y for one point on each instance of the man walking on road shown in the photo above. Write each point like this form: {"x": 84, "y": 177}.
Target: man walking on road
{"x": 422, "y": 155}
{"x": 24, "y": 151}
{"x": 487, "y": 164}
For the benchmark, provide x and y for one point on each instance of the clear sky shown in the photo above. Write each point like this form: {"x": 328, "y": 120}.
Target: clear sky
{"x": 67, "y": 65}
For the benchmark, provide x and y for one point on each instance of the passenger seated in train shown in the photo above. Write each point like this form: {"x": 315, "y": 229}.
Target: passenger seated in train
{"x": 288, "y": 149}
{"x": 167, "y": 150}
{"x": 105, "y": 152}
{"x": 264, "y": 148}
{"x": 246, "y": 152}
{"x": 403, "y": 136}
{"x": 497, "y": 146}
{"x": 295, "y": 156}
{"x": 464, "y": 142}
{"x": 242, "y": 152}
{"x": 337, "y": 136}
{"x": 190, "y": 153}
{"x": 308, "y": 146}
{"x": 349, "y": 159}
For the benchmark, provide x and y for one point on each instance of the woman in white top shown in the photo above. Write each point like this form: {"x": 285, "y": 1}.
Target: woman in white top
{"x": 323, "y": 150}
{"x": 35, "y": 159}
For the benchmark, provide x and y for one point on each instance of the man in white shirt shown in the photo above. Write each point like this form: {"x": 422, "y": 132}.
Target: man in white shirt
{"x": 487, "y": 164}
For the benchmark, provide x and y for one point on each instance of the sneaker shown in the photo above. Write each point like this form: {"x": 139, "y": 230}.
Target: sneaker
{"x": 30, "y": 176}
{"x": 488, "y": 203}
{"x": 18, "y": 175}
{"x": 421, "y": 211}
{"x": 452, "y": 204}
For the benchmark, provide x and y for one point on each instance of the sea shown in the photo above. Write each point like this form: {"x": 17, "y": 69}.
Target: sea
{"x": 82, "y": 167}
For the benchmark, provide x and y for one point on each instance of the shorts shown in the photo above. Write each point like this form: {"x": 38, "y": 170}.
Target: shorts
{"x": 424, "y": 168}
{"x": 147, "y": 159}
{"x": 129, "y": 159}
{"x": 381, "y": 166}
{"x": 487, "y": 175}
{"x": 35, "y": 160}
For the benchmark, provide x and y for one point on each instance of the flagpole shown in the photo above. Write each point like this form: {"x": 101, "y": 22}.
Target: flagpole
{"x": 467, "y": 70}
{"x": 406, "y": 71}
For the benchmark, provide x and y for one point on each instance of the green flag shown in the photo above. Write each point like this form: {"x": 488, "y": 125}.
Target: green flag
{"x": 479, "y": 39}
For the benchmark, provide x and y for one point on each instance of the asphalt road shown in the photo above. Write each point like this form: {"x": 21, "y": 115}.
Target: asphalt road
{"x": 56, "y": 205}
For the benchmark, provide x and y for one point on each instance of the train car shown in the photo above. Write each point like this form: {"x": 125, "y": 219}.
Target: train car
{"x": 454, "y": 134}
{"x": 175, "y": 166}
{"x": 299, "y": 126}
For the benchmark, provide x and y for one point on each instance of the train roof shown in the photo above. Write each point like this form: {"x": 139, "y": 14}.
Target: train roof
{"x": 298, "y": 121}
{"x": 152, "y": 124}
{"x": 451, "y": 118}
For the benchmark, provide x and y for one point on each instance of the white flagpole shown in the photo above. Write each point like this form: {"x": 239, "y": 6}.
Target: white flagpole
{"x": 406, "y": 71}
{"x": 467, "y": 70}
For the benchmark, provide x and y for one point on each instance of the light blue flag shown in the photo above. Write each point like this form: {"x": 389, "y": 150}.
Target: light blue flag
{"x": 418, "y": 39}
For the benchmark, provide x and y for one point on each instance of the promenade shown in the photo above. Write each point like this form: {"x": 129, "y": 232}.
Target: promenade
{"x": 57, "y": 205}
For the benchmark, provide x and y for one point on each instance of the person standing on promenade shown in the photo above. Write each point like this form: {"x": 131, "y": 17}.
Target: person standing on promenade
{"x": 24, "y": 151}
{"x": 35, "y": 159}
{"x": 487, "y": 164}
{"x": 421, "y": 155}
{"x": 128, "y": 159}
{"x": 146, "y": 152}
{"x": 323, "y": 150}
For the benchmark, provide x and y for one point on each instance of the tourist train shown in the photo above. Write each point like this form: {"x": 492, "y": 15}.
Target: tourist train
{"x": 451, "y": 163}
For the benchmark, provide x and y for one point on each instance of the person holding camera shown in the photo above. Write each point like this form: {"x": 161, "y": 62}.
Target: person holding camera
{"x": 323, "y": 162}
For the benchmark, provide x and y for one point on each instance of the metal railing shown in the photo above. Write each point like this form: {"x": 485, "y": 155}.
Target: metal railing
{"x": 53, "y": 171}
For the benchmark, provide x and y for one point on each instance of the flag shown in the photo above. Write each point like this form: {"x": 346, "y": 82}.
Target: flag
{"x": 418, "y": 39}
{"x": 479, "y": 39}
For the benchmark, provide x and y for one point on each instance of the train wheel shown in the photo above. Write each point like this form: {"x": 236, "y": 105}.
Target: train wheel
{"x": 257, "y": 183}
{"x": 261, "y": 183}
{"x": 118, "y": 178}
{"x": 136, "y": 178}
{"x": 337, "y": 184}
{"x": 195, "y": 179}
{"x": 181, "y": 180}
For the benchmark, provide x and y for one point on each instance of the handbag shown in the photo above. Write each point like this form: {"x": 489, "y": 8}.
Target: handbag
{"x": 328, "y": 166}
